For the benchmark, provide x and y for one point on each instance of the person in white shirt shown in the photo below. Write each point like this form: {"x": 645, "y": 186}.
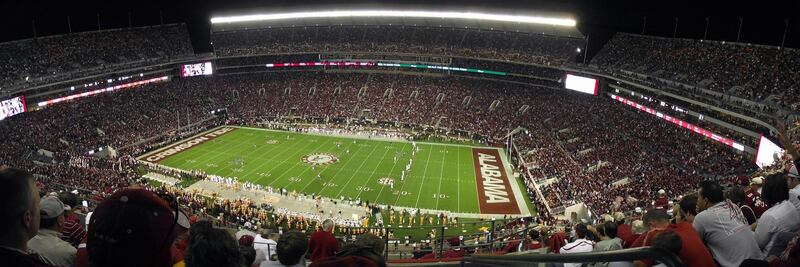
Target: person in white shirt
{"x": 723, "y": 228}
{"x": 782, "y": 217}
{"x": 265, "y": 244}
{"x": 580, "y": 245}
{"x": 47, "y": 243}
{"x": 793, "y": 181}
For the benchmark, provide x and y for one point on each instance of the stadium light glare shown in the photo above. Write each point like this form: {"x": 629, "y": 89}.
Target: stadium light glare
{"x": 397, "y": 13}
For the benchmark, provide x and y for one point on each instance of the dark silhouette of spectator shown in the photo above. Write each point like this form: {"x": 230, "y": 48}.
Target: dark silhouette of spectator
{"x": 210, "y": 247}
{"x": 132, "y": 227}
{"x": 291, "y": 249}
{"x": 19, "y": 219}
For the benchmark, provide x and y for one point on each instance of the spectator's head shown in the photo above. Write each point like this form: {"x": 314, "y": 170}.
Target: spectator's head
{"x": 756, "y": 182}
{"x": 710, "y": 194}
{"x": 608, "y": 229}
{"x": 367, "y": 246}
{"x": 291, "y": 247}
{"x": 655, "y": 218}
{"x": 793, "y": 177}
{"x": 327, "y": 225}
{"x": 70, "y": 200}
{"x": 534, "y": 235}
{"x": 775, "y": 189}
{"x": 668, "y": 240}
{"x": 211, "y": 247}
{"x": 581, "y": 231}
{"x": 369, "y": 240}
{"x": 688, "y": 208}
{"x": 128, "y": 224}
{"x": 19, "y": 203}
{"x": 736, "y": 195}
{"x": 51, "y": 212}
{"x": 619, "y": 217}
{"x": 248, "y": 255}
{"x": 638, "y": 228}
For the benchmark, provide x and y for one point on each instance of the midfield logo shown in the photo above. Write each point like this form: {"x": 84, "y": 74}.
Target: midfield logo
{"x": 318, "y": 159}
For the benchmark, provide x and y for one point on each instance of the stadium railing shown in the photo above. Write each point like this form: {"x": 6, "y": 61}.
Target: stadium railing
{"x": 624, "y": 255}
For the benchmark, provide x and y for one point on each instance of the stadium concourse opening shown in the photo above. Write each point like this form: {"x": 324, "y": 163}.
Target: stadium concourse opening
{"x": 434, "y": 177}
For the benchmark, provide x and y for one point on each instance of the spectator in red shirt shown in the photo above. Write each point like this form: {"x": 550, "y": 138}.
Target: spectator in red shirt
{"x": 752, "y": 197}
{"x": 624, "y": 231}
{"x": 556, "y": 241}
{"x": 693, "y": 252}
{"x": 322, "y": 243}
{"x": 72, "y": 231}
{"x": 662, "y": 202}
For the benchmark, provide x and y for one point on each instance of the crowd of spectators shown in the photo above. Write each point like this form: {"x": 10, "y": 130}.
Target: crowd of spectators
{"x": 583, "y": 141}
{"x": 31, "y": 59}
{"x": 511, "y": 46}
{"x": 748, "y": 71}
{"x": 595, "y": 148}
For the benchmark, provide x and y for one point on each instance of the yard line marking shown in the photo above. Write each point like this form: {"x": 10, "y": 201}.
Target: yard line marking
{"x": 390, "y": 174}
{"x": 216, "y": 171}
{"x": 458, "y": 180}
{"x": 322, "y": 168}
{"x": 342, "y": 168}
{"x": 439, "y": 191}
{"x": 246, "y": 141}
{"x": 359, "y": 167}
{"x": 424, "y": 174}
{"x": 298, "y": 163}
{"x": 369, "y": 178}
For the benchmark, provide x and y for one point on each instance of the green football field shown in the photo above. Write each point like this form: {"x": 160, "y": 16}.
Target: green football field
{"x": 441, "y": 177}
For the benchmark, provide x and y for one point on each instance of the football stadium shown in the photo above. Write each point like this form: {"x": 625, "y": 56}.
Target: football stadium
{"x": 413, "y": 133}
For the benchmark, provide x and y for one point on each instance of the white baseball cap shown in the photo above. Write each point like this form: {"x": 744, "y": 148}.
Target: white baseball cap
{"x": 793, "y": 172}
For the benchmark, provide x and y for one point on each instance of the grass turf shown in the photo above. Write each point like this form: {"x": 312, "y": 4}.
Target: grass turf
{"x": 442, "y": 176}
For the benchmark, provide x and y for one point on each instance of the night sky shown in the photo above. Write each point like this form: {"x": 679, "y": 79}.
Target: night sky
{"x": 763, "y": 21}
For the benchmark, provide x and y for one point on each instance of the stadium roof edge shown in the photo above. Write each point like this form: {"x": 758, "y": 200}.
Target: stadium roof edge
{"x": 555, "y": 24}
{"x": 399, "y": 13}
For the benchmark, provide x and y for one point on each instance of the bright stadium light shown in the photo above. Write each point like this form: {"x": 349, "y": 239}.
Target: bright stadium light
{"x": 397, "y": 13}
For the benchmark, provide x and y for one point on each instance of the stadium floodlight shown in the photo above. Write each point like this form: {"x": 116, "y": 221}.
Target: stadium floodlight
{"x": 397, "y": 13}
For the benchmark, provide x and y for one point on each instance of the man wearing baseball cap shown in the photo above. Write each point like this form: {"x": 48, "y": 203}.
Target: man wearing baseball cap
{"x": 47, "y": 242}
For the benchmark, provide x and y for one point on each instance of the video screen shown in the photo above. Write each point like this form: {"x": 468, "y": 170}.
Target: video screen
{"x": 188, "y": 70}
{"x": 581, "y": 84}
{"x": 11, "y": 107}
{"x": 768, "y": 152}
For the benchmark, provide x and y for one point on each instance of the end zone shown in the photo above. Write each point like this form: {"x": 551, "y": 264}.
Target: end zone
{"x": 497, "y": 194}
{"x": 175, "y": 148}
